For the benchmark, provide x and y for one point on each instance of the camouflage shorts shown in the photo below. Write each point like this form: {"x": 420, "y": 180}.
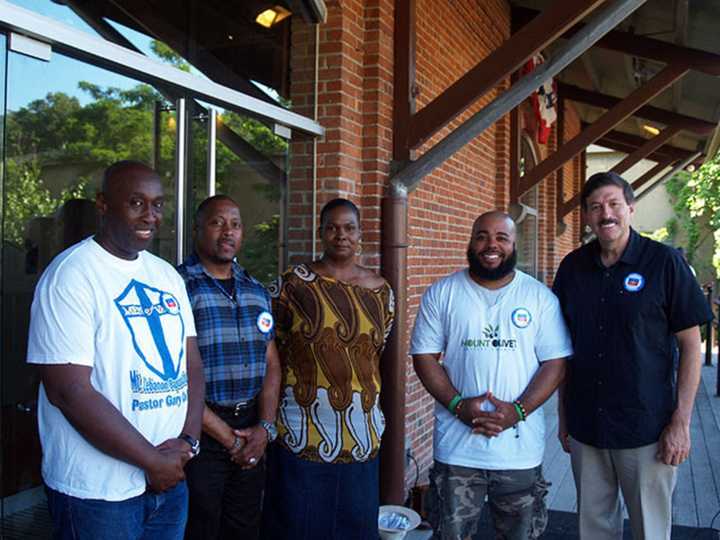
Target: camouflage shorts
{"x": 516, "y": 498}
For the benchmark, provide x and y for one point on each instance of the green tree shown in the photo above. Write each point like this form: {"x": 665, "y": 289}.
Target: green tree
{"x": 28, "y": 198}
{"x": 696, "y": 199}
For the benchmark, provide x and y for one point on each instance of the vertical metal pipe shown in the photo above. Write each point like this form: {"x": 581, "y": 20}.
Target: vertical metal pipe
{"x": 709, "y": 330}
{"x": 180, "y": 177}
{"x": 316, "y": 85}
{"x": 211, "y": 150}
{"x": 157, "y": 133}
{"x": 393, "y": 365}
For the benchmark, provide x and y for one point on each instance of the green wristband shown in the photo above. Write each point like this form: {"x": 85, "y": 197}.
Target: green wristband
{"x": 519, "y": 411}
{"x": 454, "y": 403}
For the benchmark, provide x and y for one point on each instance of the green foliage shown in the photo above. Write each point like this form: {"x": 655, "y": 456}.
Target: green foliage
{"x": 681, "y": 190}
{"x": 28, "y": 197}
{"x": 660, "y": 235}
{"x": 162, "y": 51}
{"x": 260, "y": 251}
{"x": 59, "y": 134}
{"x": 697, "y": 196}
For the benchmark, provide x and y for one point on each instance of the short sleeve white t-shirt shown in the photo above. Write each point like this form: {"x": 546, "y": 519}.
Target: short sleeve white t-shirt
{"x": 129, "y": 321}
{"x": 495, "y": 348}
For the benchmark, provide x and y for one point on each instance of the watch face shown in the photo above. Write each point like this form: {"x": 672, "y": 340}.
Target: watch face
{"x": 193, "y": 442}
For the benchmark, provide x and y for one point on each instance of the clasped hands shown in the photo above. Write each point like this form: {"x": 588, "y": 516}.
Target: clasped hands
{"x": 247, "y": 446}
{"x": 488, "y": 423}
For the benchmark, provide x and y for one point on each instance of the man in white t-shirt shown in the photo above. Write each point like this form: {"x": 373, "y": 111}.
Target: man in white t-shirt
{"x": 489, "y": 344}
{"x": 121, "y": 398}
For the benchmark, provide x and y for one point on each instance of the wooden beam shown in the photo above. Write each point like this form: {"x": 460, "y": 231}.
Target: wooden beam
{"x": 657, "y": 156}
{"x": 676, "y": 169}
{"x": 652, "y": 173}
{"x": 681, "y": 33}
{"x": 601, "y": 22}
{"x": 644, "y": 47}
{"x": 497, "y": 66}
{"x": 627, "y": 143}
{"x": 252, "y": 157}
{"x": 404, "y": 88}
{"x": 605, "y": 123}
{"x": 575, "y": 93}
{"x": 574, "y": 201}
{"x": 646, "y": 149}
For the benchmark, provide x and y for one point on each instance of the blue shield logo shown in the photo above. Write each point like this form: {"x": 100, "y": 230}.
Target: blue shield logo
{"x": 156, "y": 326}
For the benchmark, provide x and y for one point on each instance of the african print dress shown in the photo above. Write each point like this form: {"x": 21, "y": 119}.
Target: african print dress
{"x": 330, "y": 336}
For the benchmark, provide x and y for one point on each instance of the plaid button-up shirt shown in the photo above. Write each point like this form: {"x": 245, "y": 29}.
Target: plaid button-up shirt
{"x": 232, "y": 333}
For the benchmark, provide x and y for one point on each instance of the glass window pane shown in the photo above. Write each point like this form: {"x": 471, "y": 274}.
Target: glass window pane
{"x": 250, "y": 168}
{"x": 65, "y": 122}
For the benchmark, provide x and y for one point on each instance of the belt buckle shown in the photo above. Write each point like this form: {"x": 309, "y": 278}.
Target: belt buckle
{"x": 239, "y": 406}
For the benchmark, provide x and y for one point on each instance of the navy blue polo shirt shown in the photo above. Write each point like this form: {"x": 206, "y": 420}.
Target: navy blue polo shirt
{"x": 620, "y": 390}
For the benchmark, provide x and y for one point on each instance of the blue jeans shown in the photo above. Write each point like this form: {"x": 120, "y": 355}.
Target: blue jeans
{"x": 305, "y": 500}
{"x": 150, "y": 516}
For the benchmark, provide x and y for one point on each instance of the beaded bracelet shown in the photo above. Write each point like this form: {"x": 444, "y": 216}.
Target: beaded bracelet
{"x": 520, "y": 409}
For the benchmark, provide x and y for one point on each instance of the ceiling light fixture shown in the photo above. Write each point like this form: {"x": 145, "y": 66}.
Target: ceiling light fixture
{"x": 271, "y": 16}
{"x": 651, "y": 129}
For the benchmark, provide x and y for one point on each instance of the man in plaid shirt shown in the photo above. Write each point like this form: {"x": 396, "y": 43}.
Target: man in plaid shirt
{"x": 235, "y": 331}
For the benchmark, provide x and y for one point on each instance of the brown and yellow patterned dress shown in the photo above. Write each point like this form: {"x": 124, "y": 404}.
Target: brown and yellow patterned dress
{"x": 330, "y": 336}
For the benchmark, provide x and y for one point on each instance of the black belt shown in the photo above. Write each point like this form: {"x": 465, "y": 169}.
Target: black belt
{"x": 236, "y": 409}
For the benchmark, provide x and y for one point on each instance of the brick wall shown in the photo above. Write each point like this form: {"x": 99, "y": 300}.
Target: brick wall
{"x": 356, "y": 109}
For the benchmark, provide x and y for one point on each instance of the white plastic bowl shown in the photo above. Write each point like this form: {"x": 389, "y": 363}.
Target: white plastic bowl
{"x": 396, "y": 534}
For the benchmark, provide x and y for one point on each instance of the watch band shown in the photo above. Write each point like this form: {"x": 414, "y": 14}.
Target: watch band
{"x": 192, "y": 441}
{"x": 271, "y": 430}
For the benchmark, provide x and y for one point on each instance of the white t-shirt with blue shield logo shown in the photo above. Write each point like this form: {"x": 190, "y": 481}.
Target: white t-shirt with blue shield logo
{"x": 490, "y": 343}
{"x": 129, "y": 321}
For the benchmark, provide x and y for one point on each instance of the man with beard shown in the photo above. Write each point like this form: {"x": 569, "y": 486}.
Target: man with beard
{"x": 489, "y": 344}
{"x": 242, "y": 372}
{"x": 627, "y": 300}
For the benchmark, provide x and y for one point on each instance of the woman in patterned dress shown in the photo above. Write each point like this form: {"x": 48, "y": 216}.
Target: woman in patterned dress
{"x": 332, "y": 319}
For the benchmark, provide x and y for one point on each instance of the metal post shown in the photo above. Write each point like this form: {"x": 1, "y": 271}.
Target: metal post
{"x": 157, "y": 134}
{"x": 180, "y": 177}
{"x": 709, "y": 330}
{"x": 212, "y": 150}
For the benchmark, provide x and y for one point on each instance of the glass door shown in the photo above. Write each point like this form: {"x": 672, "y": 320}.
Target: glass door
{"x": 65, "y": 122}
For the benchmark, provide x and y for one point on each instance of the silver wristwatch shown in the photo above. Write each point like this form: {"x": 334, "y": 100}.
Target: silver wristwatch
{"x": 271, "y": 430}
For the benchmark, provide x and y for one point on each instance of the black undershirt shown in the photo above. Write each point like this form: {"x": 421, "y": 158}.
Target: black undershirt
{"x": 228, "y": 285}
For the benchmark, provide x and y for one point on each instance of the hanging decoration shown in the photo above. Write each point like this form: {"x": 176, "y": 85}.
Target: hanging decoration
{"x": 543, "y": 100}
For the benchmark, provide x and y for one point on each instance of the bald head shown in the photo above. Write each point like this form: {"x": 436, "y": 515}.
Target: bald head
{"x": 494, "y": 219}
{"x": 123, "y": 171}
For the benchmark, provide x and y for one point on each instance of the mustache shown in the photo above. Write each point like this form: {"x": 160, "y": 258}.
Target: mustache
{"x": 608, "y": 222}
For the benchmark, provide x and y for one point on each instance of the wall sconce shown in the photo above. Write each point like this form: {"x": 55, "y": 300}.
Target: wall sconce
{"x": 271, "y": 16}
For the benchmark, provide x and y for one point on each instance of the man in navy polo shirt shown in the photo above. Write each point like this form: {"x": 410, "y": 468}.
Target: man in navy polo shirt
{"x": 242, "y": 373}
{"x": 627, "y": 301}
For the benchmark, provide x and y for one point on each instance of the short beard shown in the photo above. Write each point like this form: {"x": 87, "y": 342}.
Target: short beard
{"x": 491, "y": 274}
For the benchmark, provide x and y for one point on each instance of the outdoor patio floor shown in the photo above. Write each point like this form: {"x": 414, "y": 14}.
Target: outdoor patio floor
{"x": 696, "y": 500}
